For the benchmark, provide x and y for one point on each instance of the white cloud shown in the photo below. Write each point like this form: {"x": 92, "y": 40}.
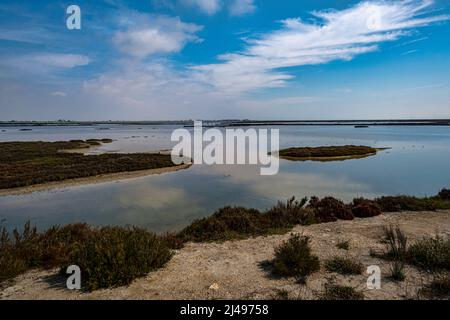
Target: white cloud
{"x": 58, "y": 94}
{"x": 155, "y": 35}
{"x": 340, "y": 35}
{"x": 43, "y": 63}
{"x": 57, "y": 60}
{"x": 156, "y": 87}
{"x": 207, "y": 6}
{"x": 241, "y": 7}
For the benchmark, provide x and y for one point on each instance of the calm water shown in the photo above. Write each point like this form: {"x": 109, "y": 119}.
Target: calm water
{"x": 418, "y": 163}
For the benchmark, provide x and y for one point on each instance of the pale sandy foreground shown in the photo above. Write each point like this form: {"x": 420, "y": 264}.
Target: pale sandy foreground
{"x": 232, "y": 270}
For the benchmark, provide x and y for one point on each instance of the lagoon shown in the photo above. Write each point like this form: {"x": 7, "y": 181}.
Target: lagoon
{"x": 417, "y": 163}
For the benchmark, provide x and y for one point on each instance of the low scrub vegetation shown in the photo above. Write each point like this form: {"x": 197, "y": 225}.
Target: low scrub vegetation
{"x": 345, "y": 266}
{"x": 106, "y": 256}
{"x": 430, "y": 253}
{"x": 237, "y": 222}
{"x": 339, "y": 292}
{"x": 294, "y": 258}
{"x": 21, "y": 251}
{"x": 30, "y": 163}
{"x": 116, "y": 256}
{"x": 327, "y": 152}
{"x": 330, "y": 209}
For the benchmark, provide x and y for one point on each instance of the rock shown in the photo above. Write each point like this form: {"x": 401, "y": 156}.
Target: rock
{"x": 214, "y": 286}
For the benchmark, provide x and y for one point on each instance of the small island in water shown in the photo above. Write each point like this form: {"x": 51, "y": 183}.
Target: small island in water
{"x": 329, "y": 153}
{"x": 33, "y": 163}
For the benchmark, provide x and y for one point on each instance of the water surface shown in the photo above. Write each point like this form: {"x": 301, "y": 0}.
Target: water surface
{"x": 418, "y": 163}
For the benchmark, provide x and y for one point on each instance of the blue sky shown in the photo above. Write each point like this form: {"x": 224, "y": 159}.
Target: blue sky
{"x": 212, "y": 59}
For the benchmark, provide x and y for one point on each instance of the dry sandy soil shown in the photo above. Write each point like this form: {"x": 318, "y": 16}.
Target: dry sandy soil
{"x": 232, "y": 270}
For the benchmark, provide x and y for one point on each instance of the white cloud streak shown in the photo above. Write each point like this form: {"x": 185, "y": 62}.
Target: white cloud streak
{"x": 340, "y": 35}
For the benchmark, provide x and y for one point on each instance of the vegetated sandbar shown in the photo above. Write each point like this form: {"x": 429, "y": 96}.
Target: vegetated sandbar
{"x": 328, "y": 153}
{"x": 33, "y": 166}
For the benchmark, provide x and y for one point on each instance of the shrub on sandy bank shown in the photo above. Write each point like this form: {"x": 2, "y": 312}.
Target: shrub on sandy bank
{"x": 430, "y": 253}
{"x": 293, "y": 258}
{"x": 29, "y": 249}
{"x": 330, "y": 209}
{"x": 439, "y": 288}
{"x": 339, "y": 292}
{"x": 362, "y": 208}
{"x": 343, "y": 266}
{"x": 237, "y": 222}
{"x": 405, "y": 203}
{"x": 116, "y": 256}
{"x": 107, "y": 256}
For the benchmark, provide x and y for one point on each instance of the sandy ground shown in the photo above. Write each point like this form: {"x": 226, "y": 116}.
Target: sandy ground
{"x": 232, "y": 270}
{"x": 90, "y": 180}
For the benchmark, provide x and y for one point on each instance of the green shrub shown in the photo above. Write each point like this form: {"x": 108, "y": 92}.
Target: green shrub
{"x": 430, "y": 253}
{"x": 405, "y": 203}
{"x": 293, "y": 258}
{"x": 117, "y": 256}
{"x": 338, "y": 292}
{"x": 343, "y": 266}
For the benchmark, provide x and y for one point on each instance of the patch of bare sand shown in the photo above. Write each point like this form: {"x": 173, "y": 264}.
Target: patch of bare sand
{"x": 231, "y": 270}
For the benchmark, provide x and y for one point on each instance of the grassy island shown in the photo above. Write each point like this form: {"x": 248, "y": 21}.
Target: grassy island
{"x": 30, "y": 163}
{"x": 327, "y": 153}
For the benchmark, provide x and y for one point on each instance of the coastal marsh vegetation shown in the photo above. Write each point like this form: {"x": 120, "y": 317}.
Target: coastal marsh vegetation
{"x": 328, "y": 153}
{"x": 30, "y": 163}
{"x": 128, "y": 253}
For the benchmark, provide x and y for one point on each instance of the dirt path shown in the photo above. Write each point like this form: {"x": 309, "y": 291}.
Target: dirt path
{"x": 232, "y": 270}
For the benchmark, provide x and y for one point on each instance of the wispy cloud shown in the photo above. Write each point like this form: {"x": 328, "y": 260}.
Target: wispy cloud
{"x": 340, "y": 35}
{"x": 208, "y": 6}
{"x": 241, "y": 7}
{"x": 143, "y": 36}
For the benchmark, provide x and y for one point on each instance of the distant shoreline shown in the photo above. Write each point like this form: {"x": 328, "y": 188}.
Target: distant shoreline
{"x": 237, "y": 122}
